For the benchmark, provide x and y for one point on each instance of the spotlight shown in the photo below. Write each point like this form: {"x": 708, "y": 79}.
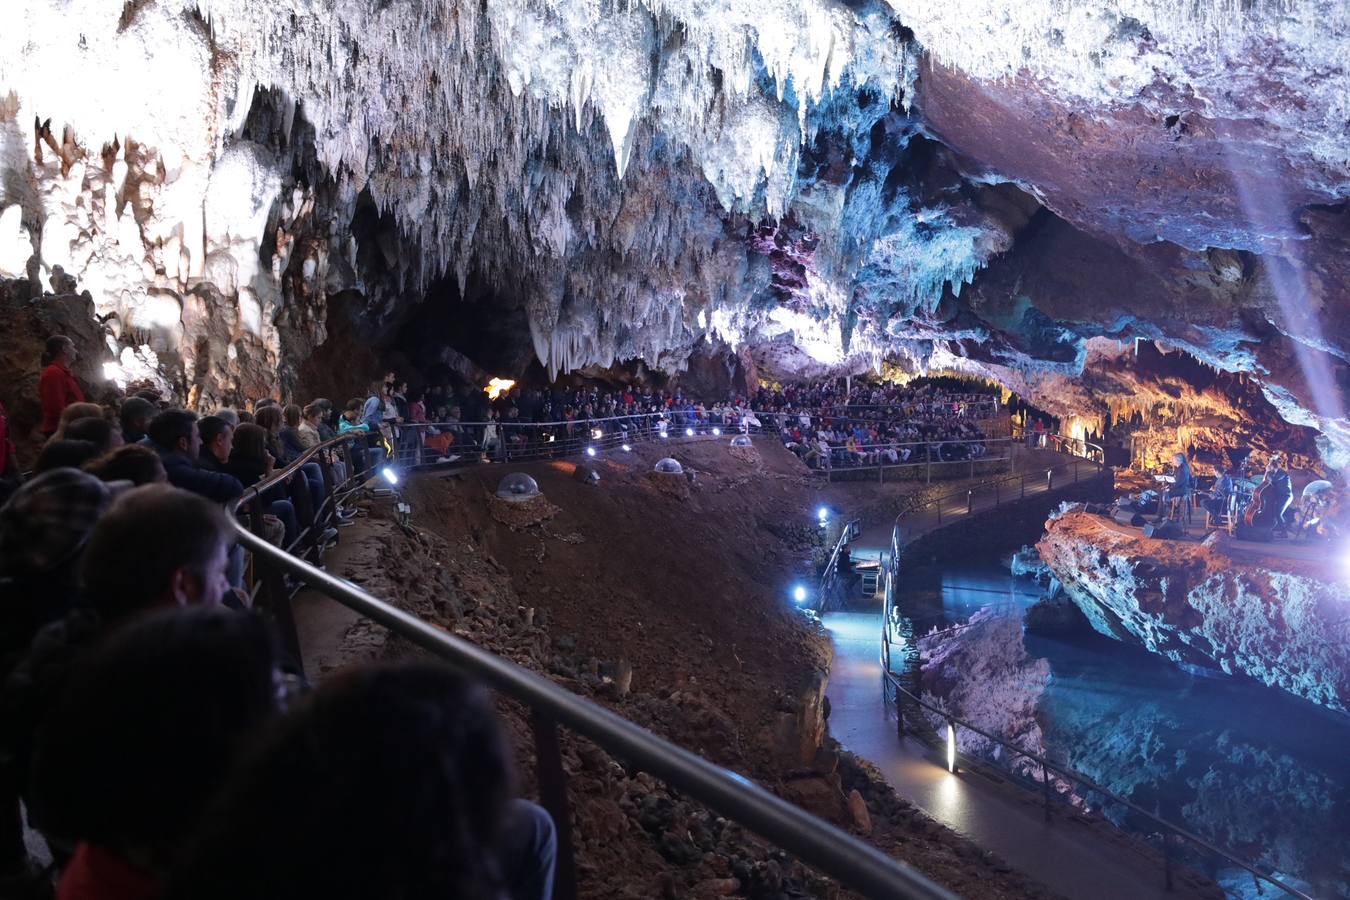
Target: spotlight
{"x": 799, "y": 594}
{"x": 597, "y": 434}
{"x": 627, "y": 449}
{"x": 823, "y": 514}
{"x": 389, "y": 474}
{"x": 689, "y": 432}
{"x": 590, "y": 451}
{"x": 717, "y": 432}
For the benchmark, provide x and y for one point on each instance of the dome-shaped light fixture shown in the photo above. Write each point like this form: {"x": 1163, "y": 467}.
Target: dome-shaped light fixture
{"x": 517, "y": 487}
{"x": 670, "y": 466}
{"x": 741, "y": 440}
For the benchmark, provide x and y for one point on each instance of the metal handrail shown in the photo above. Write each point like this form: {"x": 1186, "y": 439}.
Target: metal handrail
{"x": 1164, "y": 826}
{"x": 829, "y": 574}
{"x": 832, "y": 851}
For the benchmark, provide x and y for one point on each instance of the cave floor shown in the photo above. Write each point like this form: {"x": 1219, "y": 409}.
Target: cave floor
{"x": 1068, "y": 857}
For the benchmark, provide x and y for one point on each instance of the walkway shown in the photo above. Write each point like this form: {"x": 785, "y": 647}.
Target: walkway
{"x": 875, "y": 541}
{"x": 1068, "y": 857}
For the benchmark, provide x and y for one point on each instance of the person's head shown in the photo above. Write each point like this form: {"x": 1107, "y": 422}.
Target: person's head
{"x": 390, "y": 377}
{"x": 74, "y": 413}
{"x": 100, "y": 432}
{"x": 175, "y": 430}
{"x": 250, "y": 442}
{"x": 59, "y": 349}
{"x": 48, "y": 521}
{"x": 156, "y": 546}
{"x": 228, "y": 415}
{"x": 377, "y": 388}
{"x": 291, "y": 416}
{"x": 135, "y": 415}
{"x": 1179, "y": 459}
{"x": 403, "y": 767}
{"x": 352, "y": 412}
{"x": 136, "y": 463}
{"x": 243, "y": 416}
{"x": 263, "y": 404}
{"x": 62, "y": 454}
{"x": 217, "y": 437}
{"x": 314, "y": 413}
{"x": 269, "y": 417}
{"x": 150, "y": 723}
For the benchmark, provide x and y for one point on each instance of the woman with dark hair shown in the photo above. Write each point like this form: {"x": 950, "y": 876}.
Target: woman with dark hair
{"x": 270, "y": 418}
{"x": 61, "y": 454}
{"x": 149, "y": 725}
{"x": 57, "y": 387}
{"x": 102, "y": 433}
{"x": 390, "y": 782}
{"x": 251, "y": 462}
{"x": 136, "y": 463}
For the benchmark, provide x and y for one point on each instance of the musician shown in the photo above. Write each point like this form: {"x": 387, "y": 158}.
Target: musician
{"x": 1221, "y": 496}
{"x": 1273, "y": 497}
{"x": 1182, "y": 483}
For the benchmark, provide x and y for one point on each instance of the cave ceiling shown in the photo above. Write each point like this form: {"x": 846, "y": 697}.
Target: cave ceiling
{"x": 981, "y": 184}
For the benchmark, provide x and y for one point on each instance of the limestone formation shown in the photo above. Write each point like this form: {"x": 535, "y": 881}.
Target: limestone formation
{"x": 815, "y": 184}
{"x": 1280, "y": 620}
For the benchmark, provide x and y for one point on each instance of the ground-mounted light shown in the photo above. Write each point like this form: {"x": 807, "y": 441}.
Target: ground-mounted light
{"x": 799, "y": 594}
{"x": 951, "y": 747}
{"x": 741, "y": 440}
{"x": 627, "y": 449}
{"x": 689, "y": 432}
{"x": 389, "y": 475}
{"x": 823, "y": 515}
{"x": 717, "y": 432}
{"x": 590, "y": 451}
{"x": 517, "y": 486}
{"x": 669, "y": 466}
{"x": 597, "y": 433}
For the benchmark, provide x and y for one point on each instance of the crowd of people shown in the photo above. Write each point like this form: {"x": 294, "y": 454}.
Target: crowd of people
{"x": 156, "y": 733}
{"x": 864, "y": 424}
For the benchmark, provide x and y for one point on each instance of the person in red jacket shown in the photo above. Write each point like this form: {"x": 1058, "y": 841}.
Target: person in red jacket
{"x": 57, "y": 387}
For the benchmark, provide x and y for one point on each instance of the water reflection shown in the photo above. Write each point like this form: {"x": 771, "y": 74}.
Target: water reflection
{"x": 1253, "y": 769}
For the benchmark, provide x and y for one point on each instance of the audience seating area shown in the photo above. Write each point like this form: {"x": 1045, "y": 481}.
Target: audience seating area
{"x": 156, "y": 710}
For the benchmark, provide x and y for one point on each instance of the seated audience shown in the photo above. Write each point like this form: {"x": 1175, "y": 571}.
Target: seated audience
{"x": 404, "y": 768}
{"x": 136, "y": 463}
{"x": 217, "y": 436}
{"x": 135, "y": 417}
{"x": 74, "y": 413}
{"x": 148, "y": 727}
{"x": 250, "y": 462}
{"x": 174, "y": 435}
{"x": 100, "y": 432}
{"x": 62, "y": 454}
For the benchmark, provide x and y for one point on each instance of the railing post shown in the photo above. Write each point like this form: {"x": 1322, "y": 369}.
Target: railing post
{"x": 553, "y": 797}
{"x": 996, "y": 498}
{"x": 970, "y": 501}
{"x": 1023, "y": 481}
{"x": 1045, "y": 784}
{"x": 928, "y": 477}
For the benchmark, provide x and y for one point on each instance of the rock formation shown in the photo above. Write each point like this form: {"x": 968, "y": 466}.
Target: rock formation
{"x": 1282, "y": 621}
{"x": 823, "y": 183}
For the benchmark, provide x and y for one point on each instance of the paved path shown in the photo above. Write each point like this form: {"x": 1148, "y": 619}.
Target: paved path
{"x": 1069, "y": 858}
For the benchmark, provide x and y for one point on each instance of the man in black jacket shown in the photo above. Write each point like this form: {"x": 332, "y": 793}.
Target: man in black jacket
{"x": 174, "y": 435}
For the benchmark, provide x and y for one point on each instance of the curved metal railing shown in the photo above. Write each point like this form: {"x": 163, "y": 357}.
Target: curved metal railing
{"x": 1168, "y": 832}
{"x": 817, "y": 843}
